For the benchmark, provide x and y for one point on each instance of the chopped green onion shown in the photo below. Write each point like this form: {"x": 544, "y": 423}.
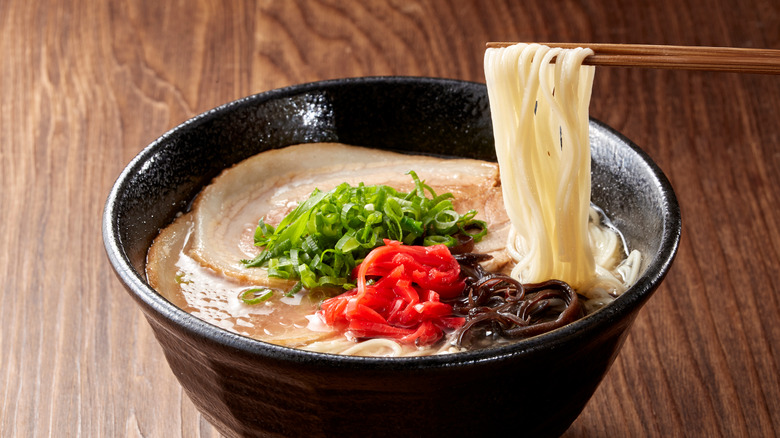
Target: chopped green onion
{"x": 449, "y": 241}
{"x": 473, "y": 223}
{"x": 255, "y": 295}
{"x": 180, "y": 278}
{"x": 295, "y": 289}
{"x": 321, "y": 241}
{"x": 445, "y": 222}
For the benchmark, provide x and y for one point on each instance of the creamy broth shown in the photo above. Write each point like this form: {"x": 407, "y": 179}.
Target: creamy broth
{"x": 207, "y": 281}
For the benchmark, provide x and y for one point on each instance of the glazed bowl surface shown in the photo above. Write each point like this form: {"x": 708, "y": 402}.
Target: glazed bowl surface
{"x": 245, "y": 387}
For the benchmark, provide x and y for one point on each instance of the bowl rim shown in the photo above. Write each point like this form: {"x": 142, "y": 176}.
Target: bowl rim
{"x": 155, "y": 303}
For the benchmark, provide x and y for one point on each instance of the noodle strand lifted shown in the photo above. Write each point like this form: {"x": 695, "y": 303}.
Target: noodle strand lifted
{"x": 540, "y": 125}
{"x": 540, "y": 120}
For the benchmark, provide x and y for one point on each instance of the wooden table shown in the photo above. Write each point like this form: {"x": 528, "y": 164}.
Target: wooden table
{"x": 85, "y": 85}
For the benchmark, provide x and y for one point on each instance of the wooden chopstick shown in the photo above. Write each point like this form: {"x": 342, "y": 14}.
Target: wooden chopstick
{"x": 723, "y": 59}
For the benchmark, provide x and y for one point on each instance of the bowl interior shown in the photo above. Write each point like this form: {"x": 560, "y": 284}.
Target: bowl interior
{"x": 414, "y": 115}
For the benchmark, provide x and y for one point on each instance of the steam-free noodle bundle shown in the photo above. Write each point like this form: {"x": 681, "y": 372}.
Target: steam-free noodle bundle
{"x": 540, "y": 124}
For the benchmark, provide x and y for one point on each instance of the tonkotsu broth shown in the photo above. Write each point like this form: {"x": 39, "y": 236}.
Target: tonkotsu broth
{"x": 207, "y": 283}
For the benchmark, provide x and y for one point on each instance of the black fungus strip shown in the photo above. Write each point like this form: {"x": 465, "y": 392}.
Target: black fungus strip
{"x": 464, "y": 244}
{"x": 499, "y": 308}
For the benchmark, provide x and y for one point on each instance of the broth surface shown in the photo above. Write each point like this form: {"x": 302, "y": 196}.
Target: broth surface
{"x": 206, "y": 279}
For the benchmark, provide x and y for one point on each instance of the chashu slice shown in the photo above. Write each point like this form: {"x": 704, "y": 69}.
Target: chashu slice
{"x": 268, "y": 185}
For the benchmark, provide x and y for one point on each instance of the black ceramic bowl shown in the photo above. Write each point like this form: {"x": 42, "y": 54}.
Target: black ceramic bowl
{"x": 245, "y": 387}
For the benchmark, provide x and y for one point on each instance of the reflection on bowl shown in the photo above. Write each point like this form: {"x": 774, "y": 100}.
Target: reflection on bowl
{"x": 250, "y": 388}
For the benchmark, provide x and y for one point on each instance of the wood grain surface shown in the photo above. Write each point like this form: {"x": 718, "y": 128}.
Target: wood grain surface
{"x": 85, "y": 85}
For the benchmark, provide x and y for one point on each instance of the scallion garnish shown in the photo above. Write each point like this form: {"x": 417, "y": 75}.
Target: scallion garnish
{"x": 321, "y": 241}
{"x": 255, "y": 295}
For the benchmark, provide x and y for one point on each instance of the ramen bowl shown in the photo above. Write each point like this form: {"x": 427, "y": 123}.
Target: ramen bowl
{"x": 245, "y": 387}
